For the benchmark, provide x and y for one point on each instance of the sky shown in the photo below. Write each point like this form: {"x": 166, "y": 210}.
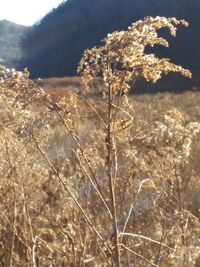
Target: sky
{"x": 26, "y": 12}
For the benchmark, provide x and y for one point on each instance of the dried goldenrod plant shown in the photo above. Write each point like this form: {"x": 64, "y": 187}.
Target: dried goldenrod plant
{"x": 120, "y": 61}
{"x": 88, "y": 182}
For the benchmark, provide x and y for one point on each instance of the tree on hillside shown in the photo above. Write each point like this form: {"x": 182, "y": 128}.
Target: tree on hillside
{"x": 54, "y": 46}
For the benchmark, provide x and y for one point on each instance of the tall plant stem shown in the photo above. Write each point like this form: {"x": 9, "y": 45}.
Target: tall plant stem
{"x": 111, "y": 153}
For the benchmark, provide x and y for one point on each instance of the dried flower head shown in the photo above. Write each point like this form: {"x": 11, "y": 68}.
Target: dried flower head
{"x": 122, "y": 58}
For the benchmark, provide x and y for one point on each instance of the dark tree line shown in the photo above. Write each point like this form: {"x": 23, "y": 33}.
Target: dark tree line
{"x": 54, "y": 46}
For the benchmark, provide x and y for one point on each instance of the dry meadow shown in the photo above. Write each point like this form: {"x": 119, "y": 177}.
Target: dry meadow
{"x": 103, "y": 178}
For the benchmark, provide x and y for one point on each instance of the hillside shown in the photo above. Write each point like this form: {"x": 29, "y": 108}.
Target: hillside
{"x": 54, "y": 46}
{"x": 10, "y": 42}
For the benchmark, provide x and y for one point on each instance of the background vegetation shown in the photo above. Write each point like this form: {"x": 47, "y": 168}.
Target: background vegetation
{"x": 54, "y": 46}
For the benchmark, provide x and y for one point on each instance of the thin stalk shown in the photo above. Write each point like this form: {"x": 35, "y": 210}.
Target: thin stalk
{"x": 138, "y": 255}
{"x": 158, "y": 256}
{"x": 14, "y": 211}
{"x": 96, "y": 112}
{"x": 111, "y": 161}
{"x": 95, "y": 185}
{"x": 34, "y": 257}
{"x": 13, "y": 234}
{"x": 181, "y": 209}
{"x": 87, "y": 219}
{"x": 146, "y": 238}
{"x": 33, "y": 238}
{"x": 132, "y": 205}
